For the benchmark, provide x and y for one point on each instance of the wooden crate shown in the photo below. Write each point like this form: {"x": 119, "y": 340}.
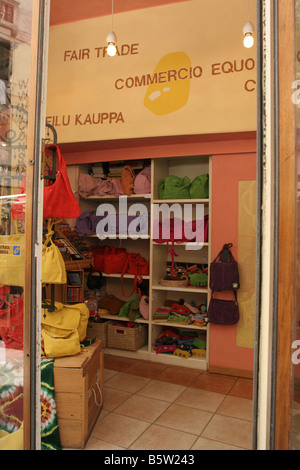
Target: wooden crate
{"x": 98, "y": 330}
{"x": 78, "y": 384}
{"x": 126, "y": 338}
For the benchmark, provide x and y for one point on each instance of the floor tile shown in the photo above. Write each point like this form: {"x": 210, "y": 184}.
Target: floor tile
{"x": 98, "y": 444}
{"x": 119, "y": 430}
{"x": 185, "y": 419}
{"x": 144, "y": 408}
{"x": 214, "y": 382}
{"x": 146, "y": 369}
{"x": 179, "y": 375}
{"x": 118, "y": 363}
{"x": 242, "y": 388}
{"x": 113, "y": 398}
{"x": 208, "y": 444}
{"x": 229, "y": 430}
{"x": 236, "y": 407}
{"x": 200, "y": 399}
{"x": 108, "y": 374}
{"x": 127, "y": 382}
{"x": 162, "y": 438}
{"x": 161, "y": 390}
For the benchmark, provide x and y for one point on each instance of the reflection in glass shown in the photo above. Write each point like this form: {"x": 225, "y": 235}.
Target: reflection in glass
{"x": 15, "y": 50}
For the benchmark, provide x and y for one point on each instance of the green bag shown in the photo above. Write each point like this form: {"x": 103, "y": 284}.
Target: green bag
{"x": 174, "y": 187}
{"x": 199, "y": 188}
{"x": 198, "y": 279}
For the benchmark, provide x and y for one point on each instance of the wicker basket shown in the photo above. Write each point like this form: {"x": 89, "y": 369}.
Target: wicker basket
{"x": 98, "y": 330}
{"x": 171, "y": 283}
{"x": 131, "y": 339}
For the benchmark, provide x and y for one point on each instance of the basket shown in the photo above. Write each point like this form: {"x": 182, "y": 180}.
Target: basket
{"x": 171, "y": 283}
{"x": 122, "y": 337}
{"x": 98, "y": 330}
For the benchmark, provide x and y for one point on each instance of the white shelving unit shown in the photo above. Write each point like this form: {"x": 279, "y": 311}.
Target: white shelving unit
{"x": 157, "y": 254}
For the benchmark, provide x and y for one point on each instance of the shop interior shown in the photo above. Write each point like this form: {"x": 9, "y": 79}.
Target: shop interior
{"x": 165, "y": 130}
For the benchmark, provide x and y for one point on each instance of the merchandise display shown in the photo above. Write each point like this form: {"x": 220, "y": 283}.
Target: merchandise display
{"x": 146, "y": 282}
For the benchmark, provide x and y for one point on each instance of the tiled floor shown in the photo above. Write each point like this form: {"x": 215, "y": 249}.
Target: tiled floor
{"x": 151, "y": 406}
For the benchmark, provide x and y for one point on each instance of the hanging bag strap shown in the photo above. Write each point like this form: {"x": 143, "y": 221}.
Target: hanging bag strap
{"x": 129, "y": 257}
{"x": 225, "y": 253}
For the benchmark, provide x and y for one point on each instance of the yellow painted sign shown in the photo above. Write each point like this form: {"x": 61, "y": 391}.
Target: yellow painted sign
{"x": 179, "y": 69}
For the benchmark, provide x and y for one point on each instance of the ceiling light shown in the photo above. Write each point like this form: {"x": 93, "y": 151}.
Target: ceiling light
{"x": 248, "y": 31}
{"x": 111, "y": 44}
{"x": 111, "y": 37}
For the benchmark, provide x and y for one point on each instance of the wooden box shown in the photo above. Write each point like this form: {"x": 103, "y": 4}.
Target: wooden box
{"x": 78, "y": 384}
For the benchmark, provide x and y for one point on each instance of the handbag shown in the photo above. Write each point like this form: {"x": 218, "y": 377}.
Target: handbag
{"x": 174, "y": 187}
{"x": 12, "y": 260}
{"x": 127, "y": 180}
{"x": 224, "y": 273}
{"x": 59, "y": 199}
{"x": 64, "y": 329}
{"x": 142, "y": 182}
{"x": 199, "y": 188}
{"x": 53, "y": 265}
{"x": 11, "y": 323}
{"x": 114, "y": 260}
{"x": 136, "y": 265}
{"x": 223, "y": 312}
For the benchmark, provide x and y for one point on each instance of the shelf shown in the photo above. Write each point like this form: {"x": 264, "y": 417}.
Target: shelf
{"x": 107, "y": 316}
{"x": 185, "y": 244}
{"x": 143, "y": 353}
{"x": 180, "y": 201}
{"x": 115, "y": 198}
{"x": 126, "y": 276}
{"x": 179, "y": 325}
{"x": 194, "y": 290}
{"x": 117, "y": 236}
{"x": 159, "y": 258}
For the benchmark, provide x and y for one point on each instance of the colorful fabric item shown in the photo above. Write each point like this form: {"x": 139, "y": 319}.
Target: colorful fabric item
{"x": 49, "y": 424}
{"x": 11, "y": 400}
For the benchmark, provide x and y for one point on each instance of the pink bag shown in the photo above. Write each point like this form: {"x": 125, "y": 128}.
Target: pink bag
{"x": 87, "y": 185}
{"x": 142, "y": 182}
{"x": 144, "y": 307}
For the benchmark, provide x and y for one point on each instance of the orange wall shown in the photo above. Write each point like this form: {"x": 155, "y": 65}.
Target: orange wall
{"x": 227, "y": 171}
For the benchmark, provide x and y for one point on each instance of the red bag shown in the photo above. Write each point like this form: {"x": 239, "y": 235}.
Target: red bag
{"x": 11, "y": 323}
{"x": 98, "y": 256}
{"x": 59, "y": 199}
{"x": 137, "y": 265}
{"x": 114, "y": 260}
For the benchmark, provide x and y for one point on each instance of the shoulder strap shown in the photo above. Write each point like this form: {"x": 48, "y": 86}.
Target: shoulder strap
{"x": 225, "y": 254}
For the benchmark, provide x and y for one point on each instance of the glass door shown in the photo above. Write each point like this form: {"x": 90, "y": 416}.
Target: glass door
{"x": 22, "y": 30}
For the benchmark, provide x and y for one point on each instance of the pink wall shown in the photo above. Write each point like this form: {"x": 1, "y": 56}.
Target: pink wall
{"x": 227, "y": 171}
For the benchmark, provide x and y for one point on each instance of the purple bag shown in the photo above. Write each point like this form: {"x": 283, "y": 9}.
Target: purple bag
{"x": 86, "y": 223}
{"x": 224, "y": 273}
{"x": 223, "y": 312}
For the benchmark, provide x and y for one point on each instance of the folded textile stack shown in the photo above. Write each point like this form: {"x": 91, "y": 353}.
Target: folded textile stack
{"x": 180, "y": 343}
{"x": 182, "y": 313}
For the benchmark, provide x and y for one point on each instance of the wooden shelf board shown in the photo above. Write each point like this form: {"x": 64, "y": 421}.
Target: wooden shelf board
{"x": 194, "y": 290}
